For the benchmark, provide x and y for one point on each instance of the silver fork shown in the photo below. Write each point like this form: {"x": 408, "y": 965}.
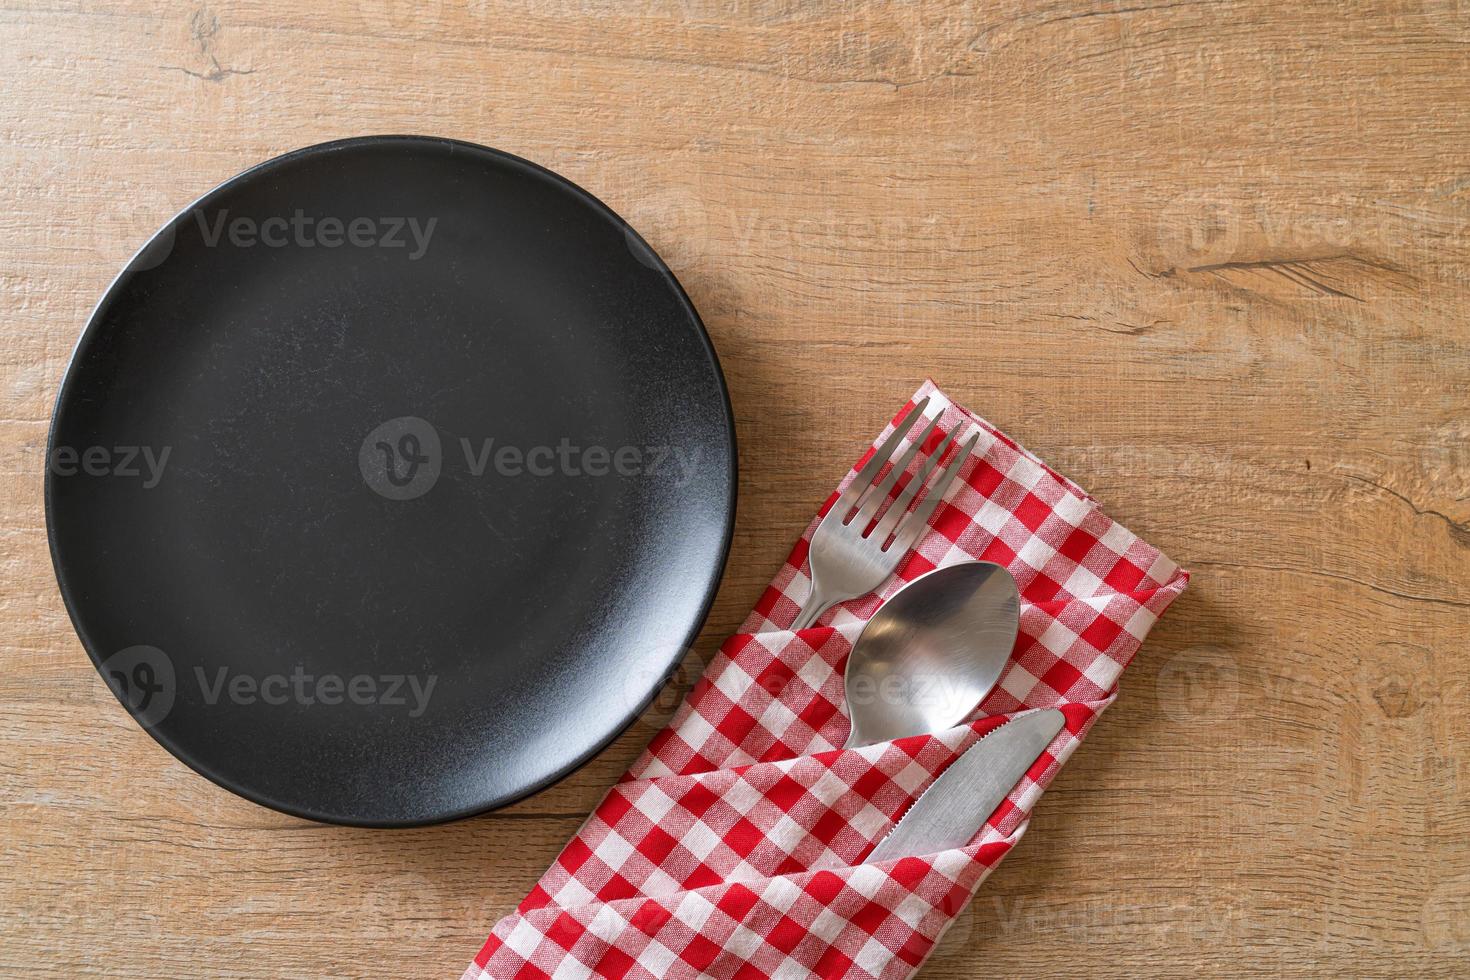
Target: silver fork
{"x": 845, "y": 562}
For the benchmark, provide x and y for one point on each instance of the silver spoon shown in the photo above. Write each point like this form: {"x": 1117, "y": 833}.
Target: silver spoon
{"x": 932, "y": 652}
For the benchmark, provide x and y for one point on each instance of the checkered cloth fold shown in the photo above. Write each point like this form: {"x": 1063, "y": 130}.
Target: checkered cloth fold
{"x": 734, "y": 847}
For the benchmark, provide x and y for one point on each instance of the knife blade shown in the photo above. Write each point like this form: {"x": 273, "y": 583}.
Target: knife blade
{"x": 956, "y": 805}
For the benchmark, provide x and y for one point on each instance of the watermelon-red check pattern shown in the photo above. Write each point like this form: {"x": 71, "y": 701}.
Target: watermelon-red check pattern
{"x": 734, "y": 846}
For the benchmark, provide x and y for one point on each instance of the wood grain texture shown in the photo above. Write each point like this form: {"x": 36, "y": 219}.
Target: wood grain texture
{"x": 1211, "y": 259}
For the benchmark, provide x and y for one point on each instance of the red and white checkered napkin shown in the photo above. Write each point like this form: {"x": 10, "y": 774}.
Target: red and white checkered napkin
{"x": 734, "y": 846}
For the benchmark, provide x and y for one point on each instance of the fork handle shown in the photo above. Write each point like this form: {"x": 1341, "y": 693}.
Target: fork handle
{"x": 816, "y": 604}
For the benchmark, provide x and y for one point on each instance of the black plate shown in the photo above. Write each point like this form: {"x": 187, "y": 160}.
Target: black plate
{"x": 348, "y": 644}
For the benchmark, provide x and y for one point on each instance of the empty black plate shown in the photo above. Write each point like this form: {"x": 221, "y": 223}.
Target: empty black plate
{"x": 390, "y": 480}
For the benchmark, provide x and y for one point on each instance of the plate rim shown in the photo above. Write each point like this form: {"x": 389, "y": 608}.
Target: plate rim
{"x": 93, "y": 327}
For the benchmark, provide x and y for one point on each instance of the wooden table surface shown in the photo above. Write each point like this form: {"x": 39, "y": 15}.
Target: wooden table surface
{"x": 1209, "y": 259}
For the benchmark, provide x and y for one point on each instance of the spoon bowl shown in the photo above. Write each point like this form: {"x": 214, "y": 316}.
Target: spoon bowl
{"x": 932, "y": 652}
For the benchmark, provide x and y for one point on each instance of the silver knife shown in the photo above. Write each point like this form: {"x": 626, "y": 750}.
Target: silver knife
{"x": 956, "y": 805}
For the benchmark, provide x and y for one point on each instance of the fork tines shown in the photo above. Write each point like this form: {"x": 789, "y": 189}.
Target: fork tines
{"x": 860, "y": 502}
